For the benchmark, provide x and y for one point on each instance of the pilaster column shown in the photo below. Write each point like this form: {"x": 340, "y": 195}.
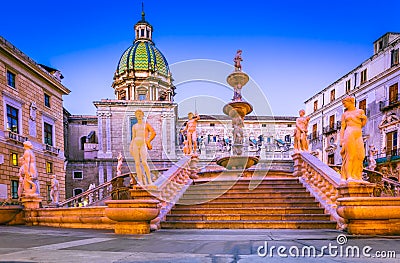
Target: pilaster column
{"x": 109, "y": 171}
{"x": 100, "y": 132}
{"x": 108, "y": 134}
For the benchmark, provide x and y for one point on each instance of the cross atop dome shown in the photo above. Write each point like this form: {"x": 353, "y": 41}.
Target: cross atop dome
{"x": 143, "y": 30}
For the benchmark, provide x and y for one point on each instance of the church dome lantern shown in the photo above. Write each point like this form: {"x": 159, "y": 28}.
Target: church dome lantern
{"x": 142, "y": 72}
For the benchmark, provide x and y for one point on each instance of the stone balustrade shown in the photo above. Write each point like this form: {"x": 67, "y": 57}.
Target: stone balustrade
{"x": 321, "y": 181}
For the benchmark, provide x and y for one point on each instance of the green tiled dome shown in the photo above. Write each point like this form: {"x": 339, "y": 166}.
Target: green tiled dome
{"x": 143, "y": 55}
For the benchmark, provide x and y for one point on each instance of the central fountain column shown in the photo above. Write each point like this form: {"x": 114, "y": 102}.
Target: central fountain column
{"x": 237, "y": 109}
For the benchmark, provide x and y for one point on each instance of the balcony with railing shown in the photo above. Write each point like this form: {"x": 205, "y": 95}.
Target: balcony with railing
{"x": 314, "y": 137}
{"x": 51, "y": 149}
{"x": 334, "y": 127}
{"x": 390, "y": 103}
{"x": 13, "y": 136}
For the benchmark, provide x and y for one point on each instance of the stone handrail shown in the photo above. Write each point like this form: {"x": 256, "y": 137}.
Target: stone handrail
{"x": 172, "y": 184}
{"x": 89, "y": 197}
{"x": 321, "y": 181}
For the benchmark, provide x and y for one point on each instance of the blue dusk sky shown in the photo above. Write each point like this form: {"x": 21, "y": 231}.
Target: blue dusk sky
{"x": 291, "y": 49}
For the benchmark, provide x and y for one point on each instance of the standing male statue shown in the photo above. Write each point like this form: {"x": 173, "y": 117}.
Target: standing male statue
{"x": 191, "y": 134}
{"x": 54, "y": 192}
{"x": 142, "y": 135}
{"x": 300, "y": 133}
{"x": 31, "y": 182}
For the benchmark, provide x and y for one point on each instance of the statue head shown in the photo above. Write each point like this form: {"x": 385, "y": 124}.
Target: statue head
{"x": 139, "y": 114}
{"x": 190, "y": 115}
{"x": 348, "y": 101}
{"x": 28, "y": 145}
{"x": 302, "y": 112}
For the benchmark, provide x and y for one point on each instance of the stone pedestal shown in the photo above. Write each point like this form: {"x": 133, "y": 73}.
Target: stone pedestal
{"x": 133, "y": 216}
{"x": 356, "y": 189}
{"x": 371, "y": 215}
{"x": 31, "y": 204}
{"x": 150, "y": 192}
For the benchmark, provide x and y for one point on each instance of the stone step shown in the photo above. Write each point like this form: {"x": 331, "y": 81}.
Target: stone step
{"x": 296, "y": 203}
{"x": 249, "y": 224}
{"x": 258, "y": 217}
{"x": 249, "y": 194}
{"x": 247, "y": 210}
{"x": 272, "y": 182}
{"x": 247, "y": 199}
{"x": 240, "y": 188}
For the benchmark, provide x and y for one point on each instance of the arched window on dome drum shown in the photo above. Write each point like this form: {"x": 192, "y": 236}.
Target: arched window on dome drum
{"x": 141, "y": 93}
{"x": 142, "y": 32}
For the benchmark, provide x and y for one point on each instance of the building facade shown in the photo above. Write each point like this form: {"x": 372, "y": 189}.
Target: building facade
{"x": 30, "y": 109}
{"x": 142, "y": 81}
{"x": 374, "y": 84}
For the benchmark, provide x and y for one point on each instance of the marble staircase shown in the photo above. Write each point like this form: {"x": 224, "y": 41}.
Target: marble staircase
{"x": 279, "y": 202}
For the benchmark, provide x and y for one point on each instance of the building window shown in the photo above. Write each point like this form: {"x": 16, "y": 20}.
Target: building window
{"x": 12, "y": 119}
{"x": 142, "y": 96}
{"x": 332, "y": 95}
{"x": 47, "y": 100}
{"x": 314, "y": 131}
{"x": 289, "y": 125}
{"x": 212, "y": 124}
{"x": 363, "y": 105}
{"x": 11, "y": 79}
{"x": 48, "y": 134}
{"x": 264, "y": 125}
{"x": 142, "y": 32}
{"x": 315, "y": 105}
{"x": 49, "y": 167}
{"x": 394, "y": 57}
{"x": 331, "y": 121}
{"x": 363, "y": 76}
{"x": 14, "y": 189}
{"x": 14, "y": 159}
{"x": 83, "y": 141}
{"x": 348, "y": 83}
{"x": 393, "y": 93}
{"x": 78, "y": 191}
{"x": 391, "y": 143}
{"x": 78, "y": 175}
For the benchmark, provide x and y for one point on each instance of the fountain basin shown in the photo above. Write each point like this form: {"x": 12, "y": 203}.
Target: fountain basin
{"x": 237, "y": 162}
{"x": 237, "y": 107}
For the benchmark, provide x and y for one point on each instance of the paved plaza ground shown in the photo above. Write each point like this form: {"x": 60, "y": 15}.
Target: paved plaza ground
{"x": 43, "y": 244}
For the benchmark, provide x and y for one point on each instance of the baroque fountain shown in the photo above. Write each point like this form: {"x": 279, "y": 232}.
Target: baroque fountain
{"x": 237, "y": 109}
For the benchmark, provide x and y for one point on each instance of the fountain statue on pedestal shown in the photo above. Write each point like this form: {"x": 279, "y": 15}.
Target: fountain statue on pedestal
{"x": 300, "y": 133}
{"x": 142, "y": 135}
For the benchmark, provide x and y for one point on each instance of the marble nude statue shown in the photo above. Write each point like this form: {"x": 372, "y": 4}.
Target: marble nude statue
{"x": 30, "y": 172}
{"x": 300, "y": 133}
{"x": 54, "y": 190}
{"x": 119, "y": 164}
{"x": 351, "y": 141}
{"x": 142, "y": 135}
{"x": 371, "y": 158}
{"x": 191, "y": 135}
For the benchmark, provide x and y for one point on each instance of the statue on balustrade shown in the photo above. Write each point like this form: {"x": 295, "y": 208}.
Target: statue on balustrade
{"x": 55, "y": 190}
{"x": 142, "y": 135}
{"x": 31, "y": 182}
{"x": 119, "y": 164}
{"x": 300, "y": 133}
{"x": 351, "y": 141}
{"x": 371, "y": 158}
{"x": 191, "y": 135}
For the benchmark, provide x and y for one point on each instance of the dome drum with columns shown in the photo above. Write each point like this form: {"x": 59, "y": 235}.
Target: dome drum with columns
{"x": 143, "y": 73}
